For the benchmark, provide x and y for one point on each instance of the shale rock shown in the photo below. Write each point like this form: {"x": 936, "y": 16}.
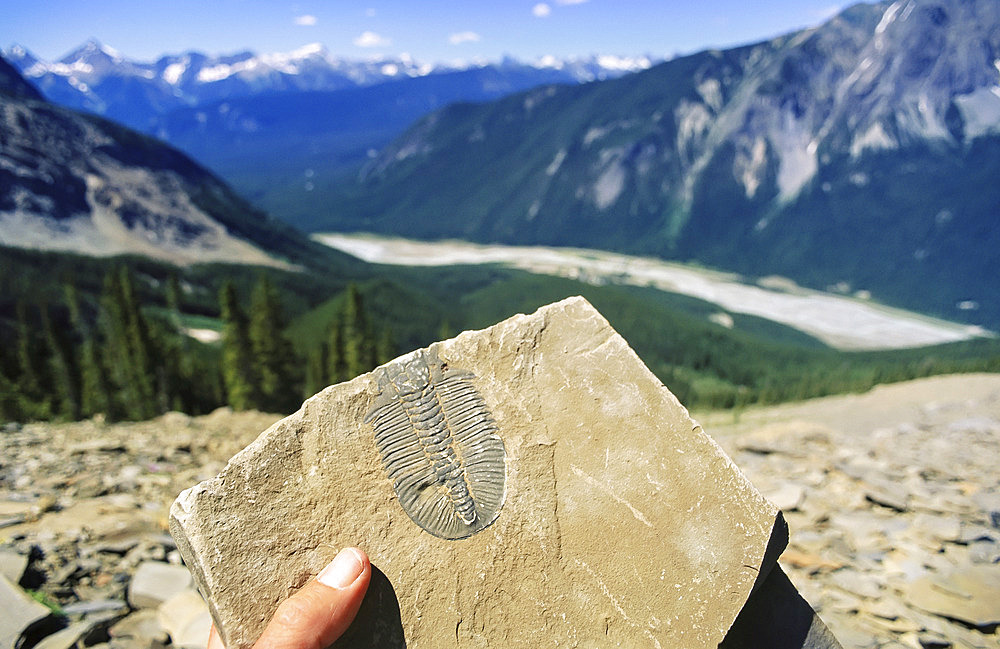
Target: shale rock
{"x": 622, "y": 523}
{"x": 19, "y": 613}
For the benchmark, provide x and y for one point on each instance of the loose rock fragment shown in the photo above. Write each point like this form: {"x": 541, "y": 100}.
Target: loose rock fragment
{"x": 19, "y": 613}
{"x": 155, "y": 582}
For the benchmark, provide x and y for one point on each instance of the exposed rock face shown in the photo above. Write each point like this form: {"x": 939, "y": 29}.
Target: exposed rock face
{"x": 80, "y": 184}
{"x": 622, "y": 522}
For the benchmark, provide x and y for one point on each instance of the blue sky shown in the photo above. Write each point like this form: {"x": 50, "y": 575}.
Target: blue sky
{"x": 428, "y": 30}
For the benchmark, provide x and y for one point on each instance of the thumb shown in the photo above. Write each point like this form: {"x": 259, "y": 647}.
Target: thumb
{"x": 320, "y": 612}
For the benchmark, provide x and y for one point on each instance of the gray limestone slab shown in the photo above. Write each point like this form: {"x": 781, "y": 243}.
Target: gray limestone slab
{"x": 12, "y": 565}
{"x": 19, "y": 612}
{"x": 621, "y": 523}
{"x": 154, "y": 582}
{"x": 971, "y": 594}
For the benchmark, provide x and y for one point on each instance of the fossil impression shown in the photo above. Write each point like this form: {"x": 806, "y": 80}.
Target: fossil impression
{"x": 439, "y": 446}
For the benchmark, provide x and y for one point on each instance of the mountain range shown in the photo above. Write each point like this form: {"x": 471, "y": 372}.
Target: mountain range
{"x": 283, "y": 127}
{"x": 98, "y": 79}
{"x": 860, "y": 155}
{"x": 82, "y": 184}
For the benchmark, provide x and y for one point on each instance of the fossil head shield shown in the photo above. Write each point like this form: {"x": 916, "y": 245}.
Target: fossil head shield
{"x": 440, "y": 445}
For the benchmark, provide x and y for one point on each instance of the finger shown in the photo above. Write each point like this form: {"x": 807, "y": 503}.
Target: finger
{"x": 320, "y": 611}
{"x": 214, "y": 641}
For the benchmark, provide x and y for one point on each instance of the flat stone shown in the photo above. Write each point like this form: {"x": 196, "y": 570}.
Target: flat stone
{"x": 787, "y": 497}
{"x": 940, "y": 528}
{"x": 622, "y": 523}
{"x": 155, "y": 582}
{"x": 971, "y": 595}
{"x": 12, "y": 565}
{"x": 984, "y": 552}
{"x": 95, "y": 606}
{"x": 144, "y": 624}
{"x": 19, "y": 612}
{"x": 888, "y": 495}
{"x": 856, "y": 583}
{"x": 186, "y": 619}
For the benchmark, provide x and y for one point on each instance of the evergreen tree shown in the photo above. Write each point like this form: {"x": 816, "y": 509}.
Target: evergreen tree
{"x": 174, "y": 300}
{"x": 336, "y": 369}
{"x": 385, "y": 346}
{"x": 315, "y": 379}
{"x": 272, "y": 352}
{"x": 358, "y": 339}
{"x": 94, "y": 391}
{"x": 62, "y": 370}
{"x": 128, "y": 349}
{"x": 237, "y": 362}
{"x": 10, "y": 407}
{"x": 34, "y": 401}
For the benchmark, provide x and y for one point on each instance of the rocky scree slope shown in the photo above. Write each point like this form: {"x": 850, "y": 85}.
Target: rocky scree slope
{"x": 891, "y": 499}
{"x": 861, "y": 154}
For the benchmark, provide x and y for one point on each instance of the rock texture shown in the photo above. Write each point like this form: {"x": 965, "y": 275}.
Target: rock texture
{"x": 622, "y": 524}
{"x": 83, "y": 510}
{"x": 894, "y": 541}
{"x": 82, "y": 505}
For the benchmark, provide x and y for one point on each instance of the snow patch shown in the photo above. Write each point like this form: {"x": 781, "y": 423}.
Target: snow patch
{"x": 556, "y": 163}
{"x": 980, "y": 110}
{"x": 172, "y": 73}
{"x": 875, "y": 138}
{"x": 888, "y": 17}
{"x": 214, "y": 73}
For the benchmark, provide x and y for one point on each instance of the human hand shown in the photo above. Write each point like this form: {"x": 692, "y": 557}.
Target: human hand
{"x": 320, "y": 612}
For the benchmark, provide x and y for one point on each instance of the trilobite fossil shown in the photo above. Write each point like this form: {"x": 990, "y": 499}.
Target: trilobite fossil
{"x": 439, "y": 444}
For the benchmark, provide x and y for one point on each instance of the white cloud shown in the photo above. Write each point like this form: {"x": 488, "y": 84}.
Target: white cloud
{"x": 305, "y": 20}
{"x": 570, "y": 2}
{"x": 371, "y": 39}
{"x": 464, "y": 37}
{"x": 541, "y": 10}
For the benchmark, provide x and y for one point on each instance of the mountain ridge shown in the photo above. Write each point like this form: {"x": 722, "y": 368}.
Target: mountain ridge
{"x": 811, "y": 155}
{"x": 80, "y": 183}
{"x": 99, "y": 79}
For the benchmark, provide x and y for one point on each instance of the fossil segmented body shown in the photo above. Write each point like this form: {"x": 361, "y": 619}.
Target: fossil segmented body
{"x": 440, "y": 446}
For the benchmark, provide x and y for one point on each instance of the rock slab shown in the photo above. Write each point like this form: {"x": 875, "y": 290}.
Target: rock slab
{"x": 622, "y": 522}
{"x": 155, "y": 582}
{"x": 19, "y": 612}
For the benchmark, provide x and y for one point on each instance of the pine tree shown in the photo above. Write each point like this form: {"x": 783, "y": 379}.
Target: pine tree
{"x": 358, "y": 339}
{"x": 174, "y": 300}
{"x": 128, "y": 349}
{"x": 315, "y": 379}
{"x": 237, "y": 363}
{"x": 385, "y": 346}
{"x": 273, "y": 355}
{"x": 94, "y": 391}
{"x": 62, "y": 370}
{"x": 336, "y": 369}
{"x": 34, "y": 401}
